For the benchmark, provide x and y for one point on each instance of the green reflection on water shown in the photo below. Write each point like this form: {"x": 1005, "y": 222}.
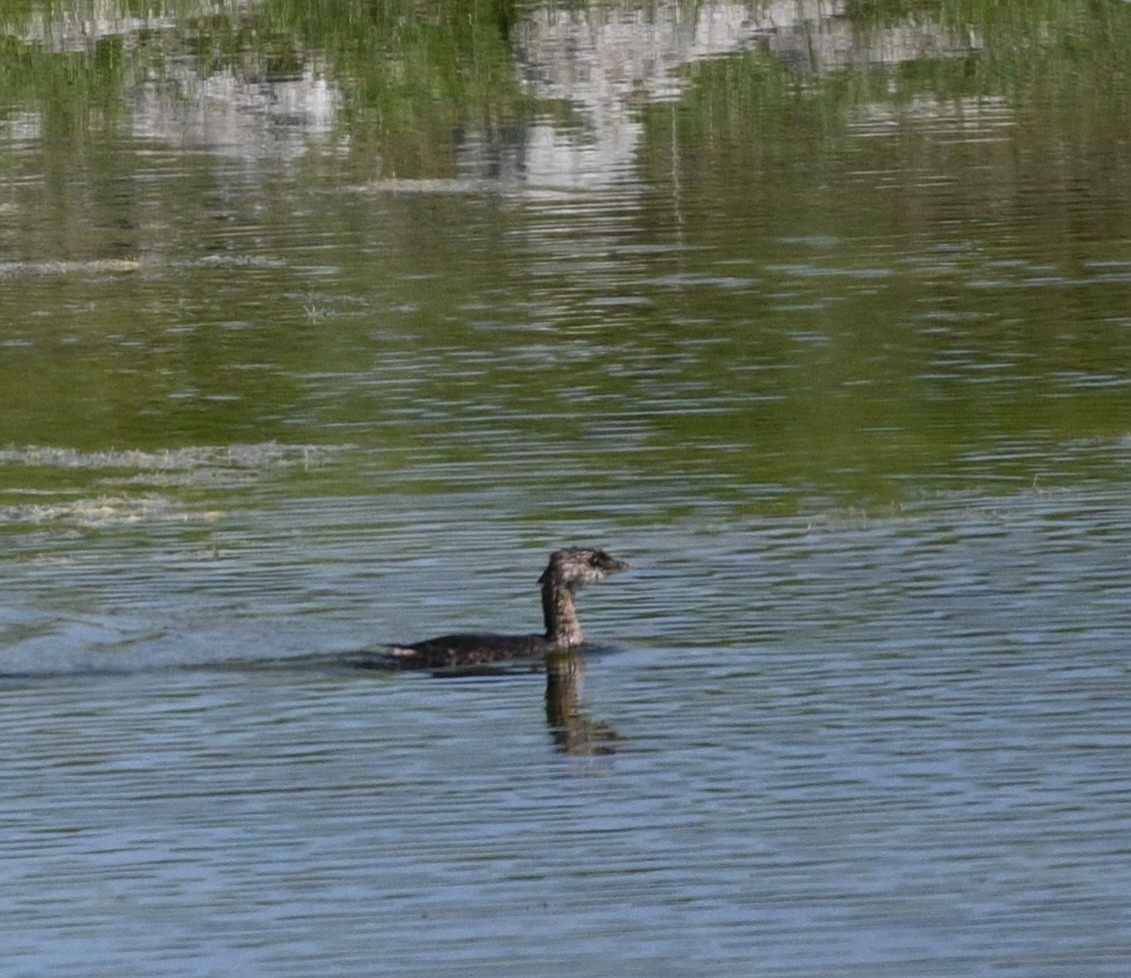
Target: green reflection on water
{"x": 843, "y": 283}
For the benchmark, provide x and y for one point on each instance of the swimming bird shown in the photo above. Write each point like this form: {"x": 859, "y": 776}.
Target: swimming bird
{"x": 567, "y": 572}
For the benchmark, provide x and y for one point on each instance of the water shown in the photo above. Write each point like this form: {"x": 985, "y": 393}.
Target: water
{"x": 820, "y": 322}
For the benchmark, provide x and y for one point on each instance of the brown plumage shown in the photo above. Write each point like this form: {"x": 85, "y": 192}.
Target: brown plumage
{"x": 568, "y": 570}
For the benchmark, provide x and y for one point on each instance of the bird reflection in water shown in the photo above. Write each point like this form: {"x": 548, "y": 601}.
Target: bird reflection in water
{"x": 572, "y": 730}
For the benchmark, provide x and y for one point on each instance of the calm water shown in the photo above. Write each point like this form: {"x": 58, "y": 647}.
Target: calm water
{"x": 320, "y": 327}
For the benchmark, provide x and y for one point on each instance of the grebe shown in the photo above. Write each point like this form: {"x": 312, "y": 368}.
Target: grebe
{"x": 568, "y": 570}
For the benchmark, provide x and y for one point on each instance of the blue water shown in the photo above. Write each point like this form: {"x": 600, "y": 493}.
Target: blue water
{"x": 857, "y": 746}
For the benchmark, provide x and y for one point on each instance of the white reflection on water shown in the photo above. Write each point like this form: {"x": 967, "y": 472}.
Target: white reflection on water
{"x": 854, "y": 746}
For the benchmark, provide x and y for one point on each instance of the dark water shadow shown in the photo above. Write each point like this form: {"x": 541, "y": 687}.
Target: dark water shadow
{"x": 573, "y": 731}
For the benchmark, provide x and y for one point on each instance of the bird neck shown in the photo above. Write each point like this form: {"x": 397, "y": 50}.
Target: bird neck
{"x": 560, "y": 614}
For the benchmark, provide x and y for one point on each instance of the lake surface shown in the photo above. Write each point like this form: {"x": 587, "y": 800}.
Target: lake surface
{"x": 321, "y": 326}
